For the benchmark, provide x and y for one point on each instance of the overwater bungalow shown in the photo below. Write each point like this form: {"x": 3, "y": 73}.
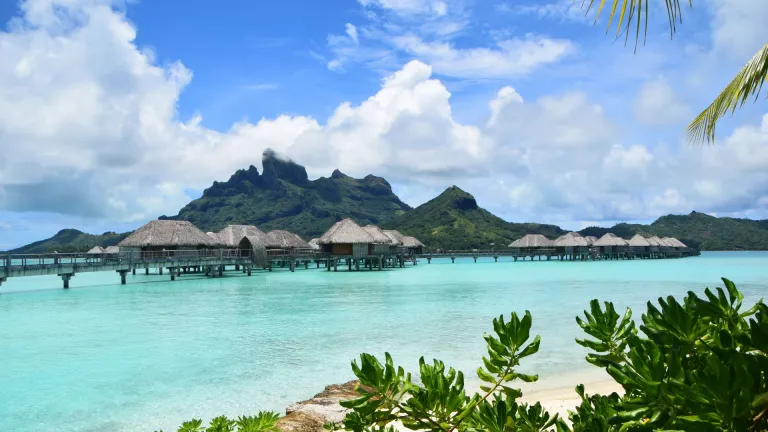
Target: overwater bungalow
{"x": 232, "y": 234}
{"x": 111, "y": 250}
{"x": 640, "y": 246}
{"x": 533, "y": 244}
{"x": 571, "y": 245}
{"x": 166, "y": 238}
{"x": 382, "y": 243}
{"x": 95, "y": 250}
{"x": 590, "y": 240}
{"x": 257, "y": 246}
{"x": 413, "y": 246}
{"x": 346, "y": 239}
{"x": 285, "y": 240}
{"x": 395, "y": 234}
{"x": 313, "y": 244}
{"x": 611, "y": 245}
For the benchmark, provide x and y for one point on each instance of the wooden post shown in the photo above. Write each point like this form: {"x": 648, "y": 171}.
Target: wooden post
{"x": 173, "y": 274}
{"x": 335, "y": 265}
{"x": 381, "y": 258}
{"x": 249, "y": 270}
{"x": 349, "y": 264}
{"x": 146, "y": 270}
{"x": 291, "y": 265}
{"x": 122, "y": 276}
{"x": 453, "y": 260}
{"x": 475, "y": 259}
{"x": 306, "y": 265}
{"x": 160, "y": 270}
{"x": 429, "y": 260}
{"x": 133, "y": 271}
{"x": 495, "y": 259}
{"x": 65, "y": 278}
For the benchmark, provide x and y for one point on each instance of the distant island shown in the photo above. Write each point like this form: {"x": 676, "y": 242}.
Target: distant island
{"x": 283, "y": 197}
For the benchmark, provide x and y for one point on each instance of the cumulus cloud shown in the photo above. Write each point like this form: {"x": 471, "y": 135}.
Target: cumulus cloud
{"x": 659, "y": 104}
{"x": 90, "y": 128}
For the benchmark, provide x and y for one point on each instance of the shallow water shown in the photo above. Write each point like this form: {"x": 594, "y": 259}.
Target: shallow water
{"x": 149, "y": 354}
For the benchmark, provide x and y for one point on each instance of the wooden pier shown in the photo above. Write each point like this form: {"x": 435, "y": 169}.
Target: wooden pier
{"x": 563, "y": 254}
{"x": 210, "y": 262}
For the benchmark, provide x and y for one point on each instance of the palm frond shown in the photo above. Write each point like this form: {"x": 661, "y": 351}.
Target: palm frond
{"x": 747, "y": 83}
{"x": 635, "y": 12}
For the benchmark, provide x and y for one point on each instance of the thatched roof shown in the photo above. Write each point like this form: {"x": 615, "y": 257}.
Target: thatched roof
{"x": 639, "y": 240}
{"x": 590, "y": 239}
{"x": 279, "y": 239}
{"x": 345, "y": 232}
{"x": 96, "y": 250}
{"x": 669, "y": 241}
{"x": 232, "y": 234}
{"x": 394, "y": 234}
{"x": 313, "y": 244}
{"x": 111, "y": 249}
{"x": 532, "y": 240}
{"x": 679, "y": 243}
{"x": 257, "y": 245}
{"x": 572, "y": 239}
{"x": 394, "y": 240}
{"x": 378, "y": 235}
{"x": 168, "y": 233}
{"x": 655, "y": 241}
{"x": 411, "y": 242}
{"x": 610, "y": 239}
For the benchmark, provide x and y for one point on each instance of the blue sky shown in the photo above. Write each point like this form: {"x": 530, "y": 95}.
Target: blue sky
{"x": 117, "y": 112}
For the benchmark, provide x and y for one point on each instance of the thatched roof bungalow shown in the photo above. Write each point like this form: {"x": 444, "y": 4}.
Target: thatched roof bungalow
{"x": 280, "y": 239}
{"x": 570, "y": 243}
{"x": 169, "y": 236}
{"x": 413, "y": 245}
{"x": 313, "y": 244}
{"x": 382, "y": 243}
{"x": 95, "y": 250}
{"x": 590, "y": 240}
{"x": 111, "y": 250}
{"x": 639, "y": 244}
{"x": 232, "y": 234}
{"x": 531, "y": 241}
{"x": 610, "y": 242}
{"x": 346, "y": 238}
{"x": 257, "y": 245}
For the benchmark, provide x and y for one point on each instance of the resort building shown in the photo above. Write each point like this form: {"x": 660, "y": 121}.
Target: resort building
{"x": 532, "y": 243}
{"x": 96, "y": 250}
{"x": 611, "y": 245}
{"x": 640, "y": 246}
{"x": 412, "y": 245}
{"x": 285, "y": 240}
{"x": 168, "y": 237}
{"x": 232, "y": 234}
{"x": 313, "y": 244}
{"x": 346, "y": 238}
{"x": 382, "y": 243}
{"x": 572, "y": 245}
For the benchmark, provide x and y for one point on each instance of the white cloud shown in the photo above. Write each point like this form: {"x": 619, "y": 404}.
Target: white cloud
{"x": 436, "y": 7}
{"x": 90, "y": 128}
{"x": 659, "y": 104}
{"x": 739, "y": 27}
{"x": 561, "y": 9}
{"x": 510, "y": 57}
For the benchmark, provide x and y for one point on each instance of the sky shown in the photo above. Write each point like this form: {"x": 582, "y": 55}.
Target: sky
{"x": 115, "y": 112}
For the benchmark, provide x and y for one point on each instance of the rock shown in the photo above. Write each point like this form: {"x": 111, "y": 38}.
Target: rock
{"x": 310, "y": 415}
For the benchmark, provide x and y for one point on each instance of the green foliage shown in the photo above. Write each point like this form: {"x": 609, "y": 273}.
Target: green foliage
{"x": 701, "y": 366}
{"x": 264, "y": 421}
{"x": 71, "y": 240}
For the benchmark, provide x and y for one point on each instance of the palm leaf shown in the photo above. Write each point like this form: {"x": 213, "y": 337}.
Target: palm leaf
{"x": 634, "y": 13}
{"x": 748, "y": 82}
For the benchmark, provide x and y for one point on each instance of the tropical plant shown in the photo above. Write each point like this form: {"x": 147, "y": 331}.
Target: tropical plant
{"x": 748, "y": 82}
{"x": 264, "y": 421}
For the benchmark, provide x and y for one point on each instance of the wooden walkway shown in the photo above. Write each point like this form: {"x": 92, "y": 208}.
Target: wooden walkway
{"x": 209, "y": 262}
{"x": 549, "y": 254}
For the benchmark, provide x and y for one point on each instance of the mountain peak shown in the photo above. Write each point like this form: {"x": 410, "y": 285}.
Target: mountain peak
{"x": 458, "y": 198}
{"x": 276, "y": 167}
{"x": 336, "y": 174}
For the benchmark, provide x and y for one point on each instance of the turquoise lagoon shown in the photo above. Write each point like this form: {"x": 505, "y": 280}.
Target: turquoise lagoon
{"x": 147, "y": 355}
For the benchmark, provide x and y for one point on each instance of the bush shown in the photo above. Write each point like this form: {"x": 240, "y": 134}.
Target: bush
{"x": 699, "y": 365}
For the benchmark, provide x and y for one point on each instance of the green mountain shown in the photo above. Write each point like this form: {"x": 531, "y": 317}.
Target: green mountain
{"x": 71, "y": 240}
{"x": 283, "y": 197}
{"x": 453, "y": 220}
{"x": 698, "y": 230}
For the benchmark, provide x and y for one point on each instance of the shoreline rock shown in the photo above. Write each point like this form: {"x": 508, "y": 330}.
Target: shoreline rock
{"x": 312, "y": 414}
